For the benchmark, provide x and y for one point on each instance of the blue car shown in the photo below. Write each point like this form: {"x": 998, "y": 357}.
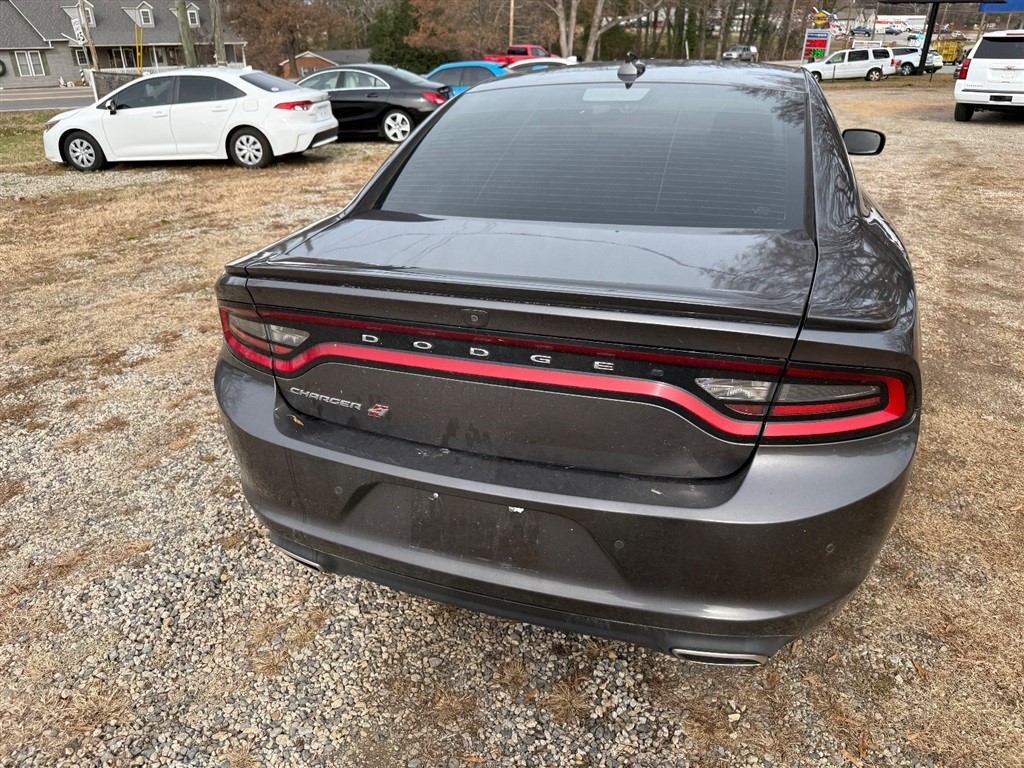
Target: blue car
{"x": 462, "y": 75}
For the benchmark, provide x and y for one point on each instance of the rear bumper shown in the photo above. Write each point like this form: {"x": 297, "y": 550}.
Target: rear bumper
{"x": 994, "y": 98}
{"x": 739, "y": 565}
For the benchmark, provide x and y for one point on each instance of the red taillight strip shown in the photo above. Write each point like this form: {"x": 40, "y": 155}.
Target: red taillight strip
{"x": 653, "y": 357}
{"x": 821, "y": 409}
{"x": 264, "y": 361}
{"x": 895, "y": 409}
{"x": 252, "y": 341}
{"x": 595, "y": 382}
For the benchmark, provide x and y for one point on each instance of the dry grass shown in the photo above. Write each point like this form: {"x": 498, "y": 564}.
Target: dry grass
{"x": 447, "y": 705}
{"x": 567, "y": 701}
{"x": 11, "y": 488}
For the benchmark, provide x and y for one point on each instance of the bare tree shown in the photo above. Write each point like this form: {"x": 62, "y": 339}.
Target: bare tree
{"x": 187, "y": 43}
{"x": 599, "y": 24}
{"x": 565, "y": 14}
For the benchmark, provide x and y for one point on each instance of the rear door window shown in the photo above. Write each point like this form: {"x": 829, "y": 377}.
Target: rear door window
{"x": 266, "y": 82}
{"x": 1000, "y": 48}
{"x": 666, "y": 154}
{"x": 881, "y": 53}
{"x": 857, "y": 56}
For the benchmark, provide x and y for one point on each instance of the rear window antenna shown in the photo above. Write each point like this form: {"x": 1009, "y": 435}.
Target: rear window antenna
{"x": 631, "y": 69}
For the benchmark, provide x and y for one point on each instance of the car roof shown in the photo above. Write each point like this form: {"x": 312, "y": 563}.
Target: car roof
{"x": 474, "y": 63}
{"x": 224, "y": 73}
{"x": 763, "y": 76}
{"x": 1005, "y": 33}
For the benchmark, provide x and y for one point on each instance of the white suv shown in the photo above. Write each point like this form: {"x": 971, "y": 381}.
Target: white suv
{"x": 992, "y": 76}
{"x": 869, "y": 63}
{"x": 910, "y": 57}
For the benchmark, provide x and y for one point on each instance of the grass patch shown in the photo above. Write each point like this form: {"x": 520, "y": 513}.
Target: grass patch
{"x": 11, "y": 488}
{"x": 21, "y": 138}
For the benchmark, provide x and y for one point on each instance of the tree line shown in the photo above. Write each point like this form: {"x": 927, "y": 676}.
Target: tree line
{"x": 418, "y": 34}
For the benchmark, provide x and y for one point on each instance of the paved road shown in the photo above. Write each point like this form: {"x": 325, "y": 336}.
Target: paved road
{"x": 51, "y": 97}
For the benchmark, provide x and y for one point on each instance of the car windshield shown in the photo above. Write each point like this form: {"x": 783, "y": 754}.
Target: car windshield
{"x": 268, "y": 82}
{"x": 1000, "y": 48}
{"x": 663, "y": 154}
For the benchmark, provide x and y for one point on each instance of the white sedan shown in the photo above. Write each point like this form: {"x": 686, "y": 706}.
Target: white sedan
{"x": 193, "y": 114}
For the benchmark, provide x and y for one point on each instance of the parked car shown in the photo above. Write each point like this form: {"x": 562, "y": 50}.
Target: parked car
{"x": 909, "y": 58}
{"x": 540, "y": 64}
{"x": 378, "y": 100}
{"x": 992, "y": 76}
{"x": 894, "y": 30}
{"x": 746, "y": 53}
{"x": 582, "y": 355}
{"x": 463, "y": 75}
{"x": 869, "y": 63}
{"x": 192, "y": 114}
{"x": 518, "y": 52}
{"x": 862, "y": 31}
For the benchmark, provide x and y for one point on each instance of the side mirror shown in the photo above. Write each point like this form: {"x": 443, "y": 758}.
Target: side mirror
{"x": 111, "y": 106}
{"x": 862, "y": 141}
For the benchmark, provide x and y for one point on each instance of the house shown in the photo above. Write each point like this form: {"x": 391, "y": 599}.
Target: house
{"x": 39, "y": 42}
{"x": 311, "y": 61}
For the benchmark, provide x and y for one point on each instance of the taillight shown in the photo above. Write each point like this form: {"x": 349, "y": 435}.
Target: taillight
{"x": 810, "y": 404}
{"x": 964, "y": 66}
{"x": 255, "y": 341}
{"x": 434, "y": 97}
{"x": 301, "y": 106}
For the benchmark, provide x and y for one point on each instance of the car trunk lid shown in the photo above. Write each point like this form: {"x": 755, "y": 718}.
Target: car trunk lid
{"x": 562, "y": 346}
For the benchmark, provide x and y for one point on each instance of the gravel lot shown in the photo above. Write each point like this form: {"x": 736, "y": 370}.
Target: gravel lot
{"x": 146, "y": 620}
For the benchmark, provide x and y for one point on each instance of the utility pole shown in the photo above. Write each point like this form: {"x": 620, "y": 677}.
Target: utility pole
{"x": 220, "y": 58}
{"x": 511, "y": 21}
{"x": 186, "y": 34}
{"x": 87, "y": 32}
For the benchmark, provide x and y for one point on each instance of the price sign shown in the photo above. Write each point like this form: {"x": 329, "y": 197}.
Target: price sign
{"x": 817, "y": 44}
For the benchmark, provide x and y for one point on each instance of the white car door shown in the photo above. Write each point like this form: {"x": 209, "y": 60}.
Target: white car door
{"x": 832, "y": 67}
{"x": 137, "y": 124}
{"x": 858, "y": 63}
{"x": 200, "y": 115}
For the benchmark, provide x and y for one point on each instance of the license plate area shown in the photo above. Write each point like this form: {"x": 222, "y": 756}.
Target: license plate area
{"x": 495, "y": 534}
{"x": 1000, "y": 98}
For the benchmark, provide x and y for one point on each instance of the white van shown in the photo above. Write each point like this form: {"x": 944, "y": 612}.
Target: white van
{"x": 868, "y": 63}
{"x": 992, "y": 76}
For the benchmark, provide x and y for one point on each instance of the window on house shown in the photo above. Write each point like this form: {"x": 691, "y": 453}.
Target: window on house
{"x": 193, "y": 17}
{"x": 81, "y": 57}
{"x": 145, "y": 17}
{"x": 30, "y": 63}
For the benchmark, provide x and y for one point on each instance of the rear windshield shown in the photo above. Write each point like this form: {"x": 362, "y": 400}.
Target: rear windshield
{"x": 1000, "y": 48}
{"x": 664, "y": 154}
{"x": 268, "y": 82}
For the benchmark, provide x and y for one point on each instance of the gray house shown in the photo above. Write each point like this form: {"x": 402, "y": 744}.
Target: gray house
{"x": 39, "y": 42}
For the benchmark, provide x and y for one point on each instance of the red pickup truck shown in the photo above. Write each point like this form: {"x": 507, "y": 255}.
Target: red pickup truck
{"x": 517, "y": 53}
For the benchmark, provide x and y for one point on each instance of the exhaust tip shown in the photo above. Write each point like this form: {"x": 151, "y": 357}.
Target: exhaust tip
{"x": 720, "y": 658}
{"x": 313, "y": 566}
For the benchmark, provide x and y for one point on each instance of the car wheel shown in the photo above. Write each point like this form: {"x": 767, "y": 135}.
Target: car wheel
{"x": 874, "y": 75}
{"x": 249, "y": 148}
{"x": 963, "y": 112}
{"x": 82, "y": 152}
{"x": 396, "y": 126}
{"x": 816, "y": 76}
{"x": 907, "y": 68}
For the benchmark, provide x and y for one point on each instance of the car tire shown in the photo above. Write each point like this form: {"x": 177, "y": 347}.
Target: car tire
{"x": 907, "y": 68}
{"x": 82, "y": 152}
{"x": 962, "y": 113}
{"x": 248, "y": 148}
{"x": 395, "y": 126}
{"x": 874, "y": 75}
{"x": 816, "y": 76}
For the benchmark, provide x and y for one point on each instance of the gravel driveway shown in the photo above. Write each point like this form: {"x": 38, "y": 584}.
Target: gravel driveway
{"x": 146, "y": 620}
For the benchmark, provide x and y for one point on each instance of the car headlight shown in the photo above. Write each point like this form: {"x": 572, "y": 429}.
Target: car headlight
{"x": 49, "y": 125}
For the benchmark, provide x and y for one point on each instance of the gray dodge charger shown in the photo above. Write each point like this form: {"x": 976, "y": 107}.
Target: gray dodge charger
{"x": 619, "y": 351}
